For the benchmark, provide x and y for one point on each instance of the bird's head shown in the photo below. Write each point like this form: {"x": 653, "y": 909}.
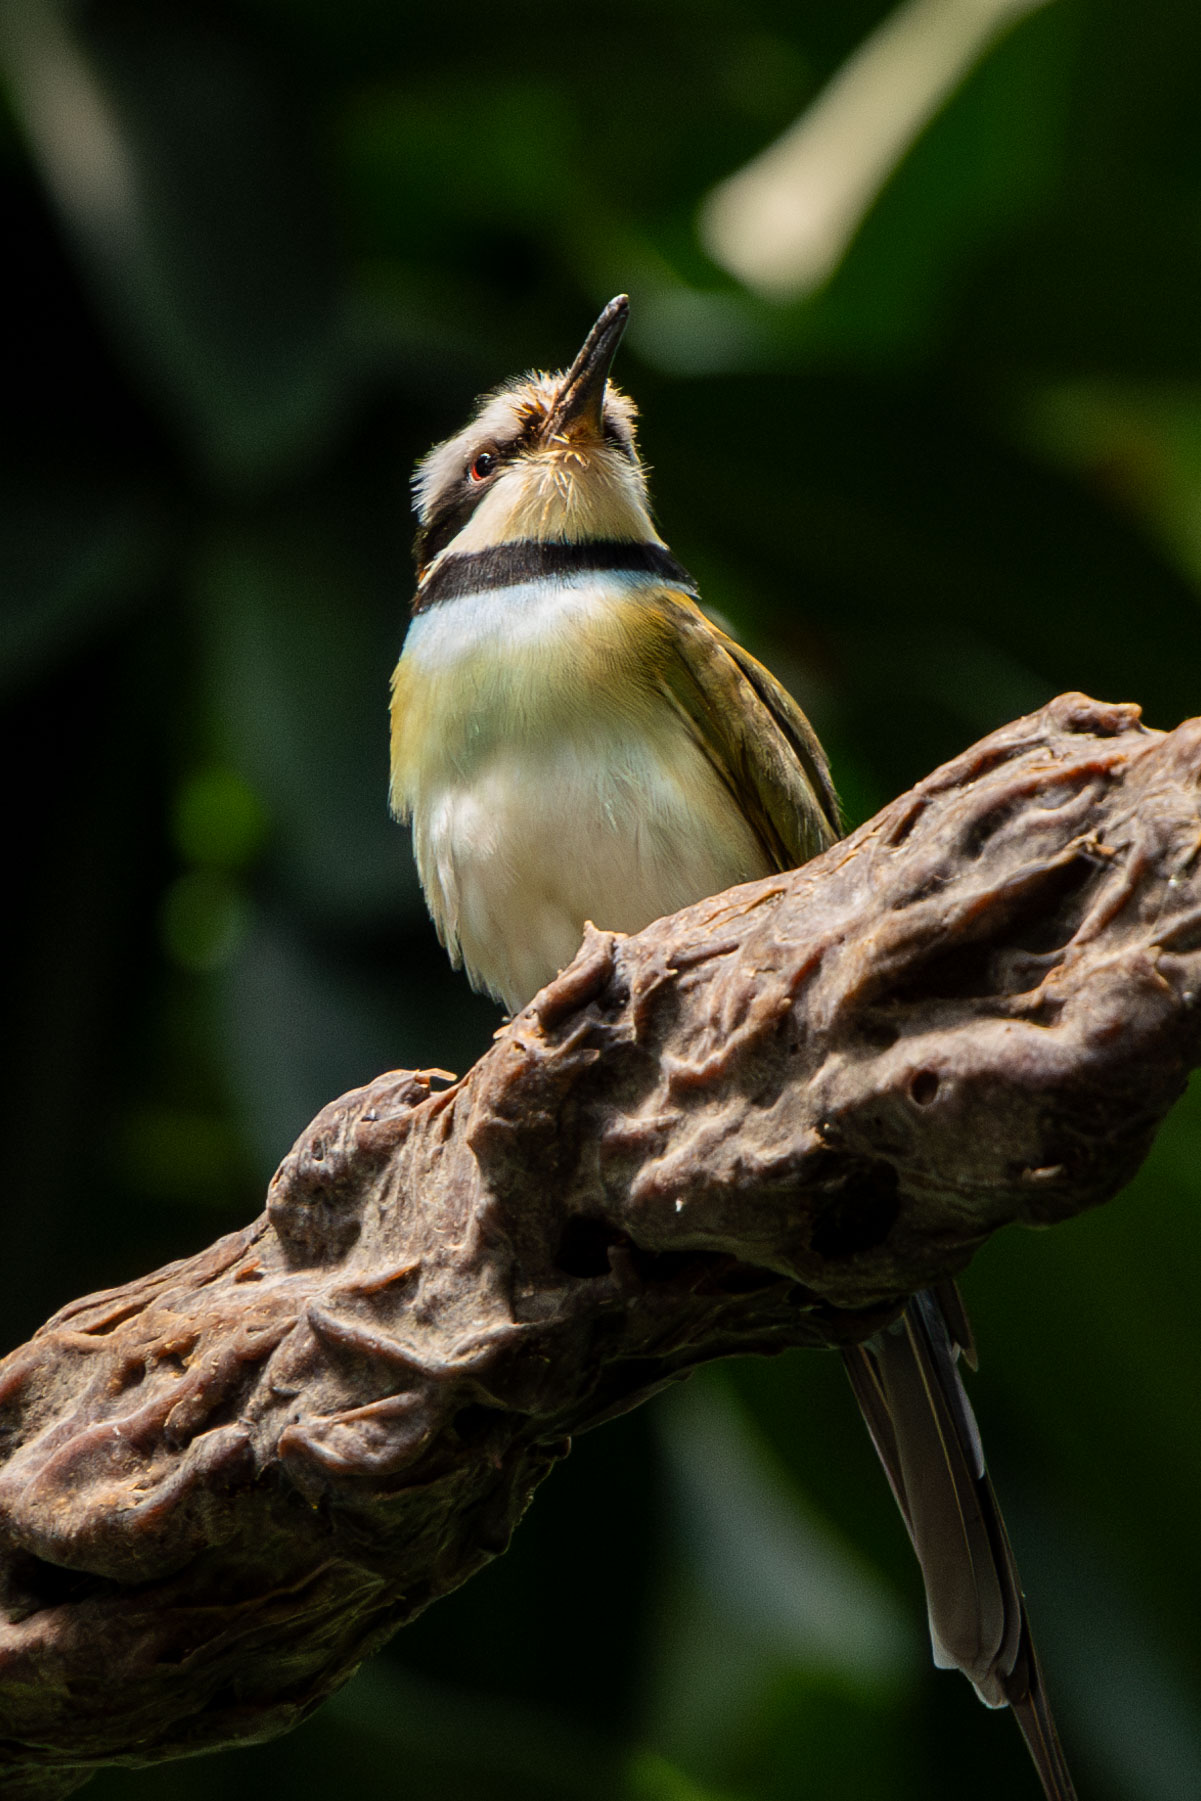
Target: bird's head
{"x": 546, "y": 457}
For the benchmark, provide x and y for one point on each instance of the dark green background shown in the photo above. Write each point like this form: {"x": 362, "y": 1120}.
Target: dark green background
{"x": 964, "y": 476}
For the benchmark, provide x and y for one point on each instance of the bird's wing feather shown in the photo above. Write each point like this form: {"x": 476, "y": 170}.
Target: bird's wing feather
{"x": 796, "y": 730}
{"x": 752, "y": 732}
{"x": 921, "y": 1422}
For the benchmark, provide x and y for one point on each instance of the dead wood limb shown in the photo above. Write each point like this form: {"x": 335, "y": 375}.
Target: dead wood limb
{"x": 760, "y": 1123}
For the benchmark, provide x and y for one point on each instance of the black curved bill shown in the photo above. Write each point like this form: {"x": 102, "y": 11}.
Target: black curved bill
{"x": 581, "y": 398}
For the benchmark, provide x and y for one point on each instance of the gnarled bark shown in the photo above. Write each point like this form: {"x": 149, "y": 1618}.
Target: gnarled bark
{"x": 760, "y": 1123}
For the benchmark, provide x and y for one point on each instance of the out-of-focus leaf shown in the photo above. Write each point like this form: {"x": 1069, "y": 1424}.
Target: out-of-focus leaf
{"x": 412, "y": 158}
{"x": 219, "y": 820}
{"x": 767, "y": 1555}
{"x": 1087, "y": 293}
{"x": 302, "y": 1021}
{"x": 300, "y": 650}
{"x": 989, "y": 163}
{"x": 204, "y": 919}
{"x": 509, "y": 1749}
{"x": 769, "y": 1591}
{"x": 72, "y": 560}
{"x": 181, "y": 171}
{"x": 170, "y": 1154}
{"x": 587, "y": 1577}
{"x": 389, "y": 1731}
{"x": 298, "y": 1031}
{"x": 811, "y": 1735}
{"x": 651, "y": 1777}
{"x": 782, "y": 224}
{"x": 1137, "y": 445}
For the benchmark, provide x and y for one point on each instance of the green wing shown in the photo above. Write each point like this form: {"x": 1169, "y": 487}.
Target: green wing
{"x": 753, "y": 733}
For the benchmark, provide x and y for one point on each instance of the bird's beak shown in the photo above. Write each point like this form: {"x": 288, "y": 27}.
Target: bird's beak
{"x": 579, "y": 405}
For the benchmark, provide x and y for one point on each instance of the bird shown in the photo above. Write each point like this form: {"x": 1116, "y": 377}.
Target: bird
{"x": 573, "y": 739}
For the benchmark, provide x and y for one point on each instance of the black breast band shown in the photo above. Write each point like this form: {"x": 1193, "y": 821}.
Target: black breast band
{"x": 529, "y": 559}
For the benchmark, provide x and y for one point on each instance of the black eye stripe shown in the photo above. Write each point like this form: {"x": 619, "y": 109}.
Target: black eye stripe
{"x": 446, "y": 523}
{"x": 614, "y": 436}
{"x": 451, "y": 514}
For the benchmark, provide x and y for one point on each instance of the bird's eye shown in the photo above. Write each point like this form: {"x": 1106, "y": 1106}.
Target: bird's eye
{"x": 483, "y": 466}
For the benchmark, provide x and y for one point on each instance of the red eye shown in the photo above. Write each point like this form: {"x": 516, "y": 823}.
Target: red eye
{"x": 483, "y": 466}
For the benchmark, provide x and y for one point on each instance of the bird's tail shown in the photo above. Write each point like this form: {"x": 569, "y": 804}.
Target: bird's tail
{"x": 917, "y": 1411}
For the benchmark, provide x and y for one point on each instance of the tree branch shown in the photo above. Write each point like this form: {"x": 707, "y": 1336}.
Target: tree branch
{"x": 760, "y": 1123}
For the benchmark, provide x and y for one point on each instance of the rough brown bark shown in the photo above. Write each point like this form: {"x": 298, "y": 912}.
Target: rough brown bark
{"x": 760, "y": 1123}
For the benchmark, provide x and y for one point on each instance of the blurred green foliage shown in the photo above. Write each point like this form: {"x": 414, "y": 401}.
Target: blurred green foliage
{"x": 259, "y": 254}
